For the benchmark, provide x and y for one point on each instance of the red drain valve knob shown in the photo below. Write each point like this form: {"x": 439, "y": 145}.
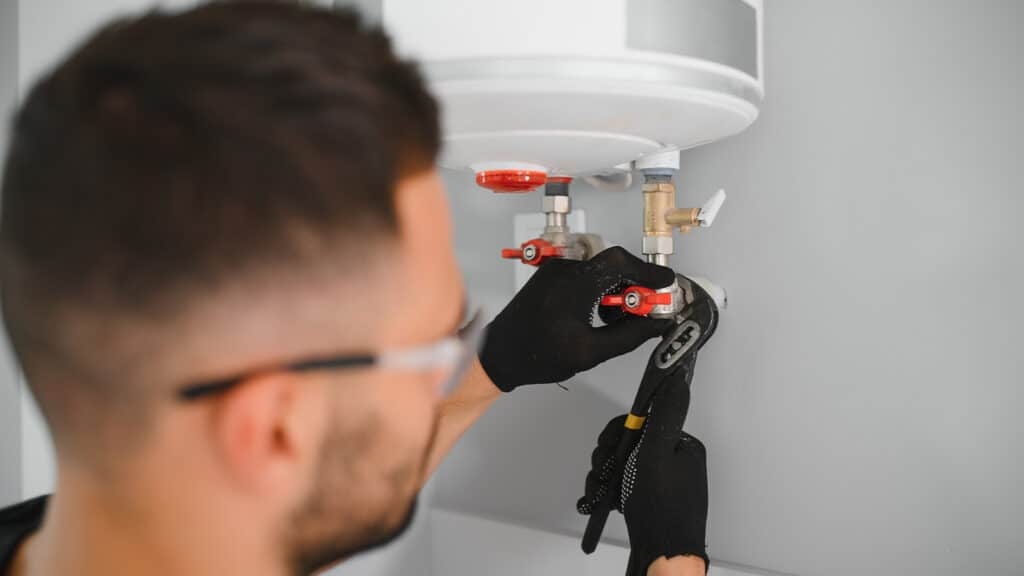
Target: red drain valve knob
{"x": 637, "y": 300}
{"x": 534, "y": 252}
{"x": 511, "y": 180}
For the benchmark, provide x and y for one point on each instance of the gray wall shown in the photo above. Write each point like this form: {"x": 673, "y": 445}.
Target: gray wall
{"x": 860, "y": 401}
{"x": 10, "y": 426}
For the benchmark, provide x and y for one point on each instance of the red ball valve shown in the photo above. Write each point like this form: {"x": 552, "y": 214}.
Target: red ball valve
{"x": 534, "y": 252}
{"x": 637, "y": 300}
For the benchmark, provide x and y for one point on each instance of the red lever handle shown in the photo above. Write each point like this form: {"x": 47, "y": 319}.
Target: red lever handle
{"x": 534, "y": 252}
{"x": 637, "y": 300}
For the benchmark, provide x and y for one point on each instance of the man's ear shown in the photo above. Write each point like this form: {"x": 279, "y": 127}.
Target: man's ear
{"x": 268, "y": 428}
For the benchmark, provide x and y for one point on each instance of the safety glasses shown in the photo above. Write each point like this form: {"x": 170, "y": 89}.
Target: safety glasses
{"x": 447, "y": 359}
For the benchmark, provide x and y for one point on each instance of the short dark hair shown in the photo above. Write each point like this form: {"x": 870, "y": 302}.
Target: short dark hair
{"x": 172, "y": 149}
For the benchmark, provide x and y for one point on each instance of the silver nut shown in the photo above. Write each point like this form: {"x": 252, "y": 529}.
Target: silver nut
{"x": 669, "y": 310}
{"x": 657, "y": 245}
{"x": 529, "y": 252}
{"x": 632, "y": 300}
{"x": 558, "y": 204}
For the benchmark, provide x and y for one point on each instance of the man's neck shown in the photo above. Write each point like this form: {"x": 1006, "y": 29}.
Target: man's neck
{"x": 88, "y": 533}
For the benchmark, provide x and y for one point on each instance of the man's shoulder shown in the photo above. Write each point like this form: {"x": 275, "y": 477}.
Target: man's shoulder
{"x": 27, "y": 511}
{"x": 17, "y": 522}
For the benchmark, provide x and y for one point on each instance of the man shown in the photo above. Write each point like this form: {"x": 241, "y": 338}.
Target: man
{"x": 228, "y": 276}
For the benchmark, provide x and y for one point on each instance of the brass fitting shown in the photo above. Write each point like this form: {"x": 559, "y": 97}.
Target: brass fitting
{"x": 661, "y": 216}
{"x": 682, "y": 217}
{"x": 659, "y": 200}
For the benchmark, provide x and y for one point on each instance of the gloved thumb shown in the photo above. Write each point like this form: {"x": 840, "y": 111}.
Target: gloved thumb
{"x": 671, "y": 405}
{"x": 624, "y": 335}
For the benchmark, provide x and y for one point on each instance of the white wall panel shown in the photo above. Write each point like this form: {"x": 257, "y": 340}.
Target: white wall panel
{"x": 10, "y": 387}
{"x": 861, "y": 395}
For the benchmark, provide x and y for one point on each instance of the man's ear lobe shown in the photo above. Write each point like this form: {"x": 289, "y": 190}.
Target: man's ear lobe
{"x": 255, "y": 429}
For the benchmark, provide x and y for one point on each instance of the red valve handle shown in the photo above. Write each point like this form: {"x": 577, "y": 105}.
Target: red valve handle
{"x": 534, "y": 252}
{"x": 637, "y": 300}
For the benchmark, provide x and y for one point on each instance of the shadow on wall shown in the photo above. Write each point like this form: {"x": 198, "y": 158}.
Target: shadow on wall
{"x": 525, "y": 462}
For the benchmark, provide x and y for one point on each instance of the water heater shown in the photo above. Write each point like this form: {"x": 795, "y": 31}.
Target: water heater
{"x": 540, "y": 92}
{"x": 577, "y": 87}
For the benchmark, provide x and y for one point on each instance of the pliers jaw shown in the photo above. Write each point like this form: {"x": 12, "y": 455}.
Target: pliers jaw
{"x": 694, "y": 325}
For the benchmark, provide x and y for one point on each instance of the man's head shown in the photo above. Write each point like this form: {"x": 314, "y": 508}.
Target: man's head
{"x": 218, "y": 193}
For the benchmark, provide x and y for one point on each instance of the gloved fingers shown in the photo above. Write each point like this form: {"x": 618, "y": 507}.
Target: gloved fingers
{"x": 625, "y": 335}
{"x": 559, "y": 264}
{"x": 550, "y": 272}
{"x": 609, "y": 437}
{"x": 593, "y": 488}
{"x": 597, "y": 484}
{"x": 585, "y": 505}
{"x": 612, "y": 314}
{"x": 602, "y": 454}
{"x": 607, "y": 443}
{"x": 692, "y": 447}
{"x": 690, "y": 454}
{"x": 615, "y": 265}
{"x": 601, "y": 462}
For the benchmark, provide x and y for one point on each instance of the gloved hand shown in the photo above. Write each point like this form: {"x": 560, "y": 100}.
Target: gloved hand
{"x": 664, "y": 490}
{"x": 546, "y": 332}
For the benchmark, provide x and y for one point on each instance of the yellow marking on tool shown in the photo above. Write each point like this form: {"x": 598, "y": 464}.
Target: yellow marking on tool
{"x": 634, "y": 422}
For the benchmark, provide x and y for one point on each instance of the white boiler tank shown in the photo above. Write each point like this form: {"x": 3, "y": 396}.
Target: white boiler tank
{"x": 577, "y": 87}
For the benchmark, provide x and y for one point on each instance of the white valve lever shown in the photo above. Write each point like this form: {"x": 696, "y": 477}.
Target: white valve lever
{"x": 709, "y": 211}
{"x": 685, "y": 218}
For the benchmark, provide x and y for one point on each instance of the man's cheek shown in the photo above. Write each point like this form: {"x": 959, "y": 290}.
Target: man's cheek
{"x": 412, "y": 423}
{"x": 411, "y": 413}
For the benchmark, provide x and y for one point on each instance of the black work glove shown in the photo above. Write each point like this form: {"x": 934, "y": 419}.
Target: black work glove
{"x": 664, "y": 490}
{"x": 546, "y": 333}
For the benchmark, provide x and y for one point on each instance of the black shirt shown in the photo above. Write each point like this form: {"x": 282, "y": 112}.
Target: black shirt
{"x": 17, "y": 523}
